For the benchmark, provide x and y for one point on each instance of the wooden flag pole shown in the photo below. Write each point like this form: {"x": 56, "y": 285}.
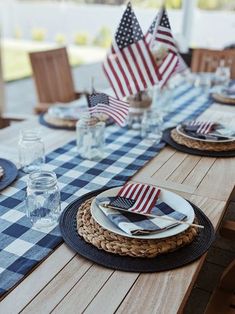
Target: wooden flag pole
{"x": 155, "y": 216}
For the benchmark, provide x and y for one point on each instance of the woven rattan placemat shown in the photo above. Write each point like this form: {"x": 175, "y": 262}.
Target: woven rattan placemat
{"x": 223, "y": 99}
{"x": 214, "y": 147}
{"x": 172, "y": 260}
{"x": 111, "y": 242}
{"x": 188, "y": 150}
{"x": 44, "y": 120}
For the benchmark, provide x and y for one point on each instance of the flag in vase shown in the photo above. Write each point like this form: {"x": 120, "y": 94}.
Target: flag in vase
{"x": 162, "y": 45}
{"x": 115, "y": 109}
{"x": 130, "y": 66}
{"x": 136, "y": 198}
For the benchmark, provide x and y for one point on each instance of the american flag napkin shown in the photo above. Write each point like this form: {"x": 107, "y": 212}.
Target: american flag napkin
{"x": 206, "y": 130}
{"x": 132, "y": 223}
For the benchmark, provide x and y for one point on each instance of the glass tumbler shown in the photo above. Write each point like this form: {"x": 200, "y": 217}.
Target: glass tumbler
{"x": 43, "y": 199}
{"x": 31, "y": 150}
{"x": 90, "y": 137}
{"x": 151, "y": 126}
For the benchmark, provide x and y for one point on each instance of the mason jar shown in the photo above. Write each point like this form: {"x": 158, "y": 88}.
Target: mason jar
{"x": 43, "y": 199}
{"x": 151, "y": 126}
{"x": 31, "y": 150}
{"x": 90, "y": 137}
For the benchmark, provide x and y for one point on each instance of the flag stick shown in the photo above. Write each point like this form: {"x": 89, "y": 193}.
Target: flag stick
{"x": 155, "y": 216}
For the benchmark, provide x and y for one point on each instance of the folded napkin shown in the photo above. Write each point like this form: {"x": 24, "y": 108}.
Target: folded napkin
{"x": 136, "y": 224}
{"x": 229, "y": 91}
{"x": 65, "y": 112}
{"x": 207, "y": 130}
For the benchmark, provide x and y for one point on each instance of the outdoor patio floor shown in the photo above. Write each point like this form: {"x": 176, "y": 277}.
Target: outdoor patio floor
{"x": 21, "y": 98}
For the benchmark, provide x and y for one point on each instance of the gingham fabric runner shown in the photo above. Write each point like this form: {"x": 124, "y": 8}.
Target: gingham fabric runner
{"x": 21, "y": 246}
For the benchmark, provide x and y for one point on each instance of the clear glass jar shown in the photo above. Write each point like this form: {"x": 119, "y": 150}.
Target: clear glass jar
{"x": 139, "y": 103}
{"x": 43, "y": 199}
{"x": 151, "y": 126}
{"x": 31, "y": 150}
{"x": 222, "y": 74}
{"x": 90, "y": 137}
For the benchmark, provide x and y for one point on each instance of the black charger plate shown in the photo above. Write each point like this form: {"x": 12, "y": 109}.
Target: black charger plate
{"x": 10, "y": 173}
{"x": 168, "y": 139}
{"x": 179, "y": 258}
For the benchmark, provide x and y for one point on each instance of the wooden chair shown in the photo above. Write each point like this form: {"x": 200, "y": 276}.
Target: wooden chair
{"x": 223, "y": 298}
{"x": 53, "y": 78}
{"x": 205, "y": 60}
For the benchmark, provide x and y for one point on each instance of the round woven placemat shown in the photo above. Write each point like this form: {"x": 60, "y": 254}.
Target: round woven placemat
{"x": 193, "y": 151}
{"x": 50, "y": 123}
{"x": 214, "y": 147}
{"x": 178, "y": 258}
{"x": 223, "y": 99}
{"x": 111, "y": 242}
{"x": 10, "y": 173}
{"x": 60, "y": 122}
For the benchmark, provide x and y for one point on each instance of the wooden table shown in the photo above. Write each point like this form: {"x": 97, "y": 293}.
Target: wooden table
{"x": 68, "y": 283}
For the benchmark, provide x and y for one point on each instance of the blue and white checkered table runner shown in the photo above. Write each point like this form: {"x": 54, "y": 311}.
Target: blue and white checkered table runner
{"x": 21, "y": 246}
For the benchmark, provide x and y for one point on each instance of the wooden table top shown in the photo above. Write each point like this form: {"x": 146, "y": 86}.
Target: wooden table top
{"x": 65, "y": 282}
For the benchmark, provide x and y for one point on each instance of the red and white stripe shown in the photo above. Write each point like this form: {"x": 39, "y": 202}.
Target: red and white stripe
{"x": 116, "y": 109}
{"x": 131, "y": 69}
{"x": 145, "y": 196}
{"x": 181, "y": 66}
{"x": 205, "y": 127}
{"x": 164, "y": 36}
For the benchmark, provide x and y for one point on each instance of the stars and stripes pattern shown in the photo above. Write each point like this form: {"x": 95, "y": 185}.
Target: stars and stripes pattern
{"x": 202, "y": 127}
{"x": 115, "y": 109}
{"x": 159, "y": 34}
{"x": 129, "y": 65}
{"x": 137, "y": 198}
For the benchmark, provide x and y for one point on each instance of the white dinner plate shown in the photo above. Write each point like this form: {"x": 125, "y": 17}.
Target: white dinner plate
{"x": 181, "y": 132}
{"x": 175, "y": 201}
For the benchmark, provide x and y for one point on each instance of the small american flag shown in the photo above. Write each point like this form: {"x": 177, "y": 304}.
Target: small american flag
{"x": 136, "y": 198}
{"x": 116, "y": 109}
{"x": 203, "y": 127}
{"x": 129, "y": 65}
{"x": 159, "y": 36}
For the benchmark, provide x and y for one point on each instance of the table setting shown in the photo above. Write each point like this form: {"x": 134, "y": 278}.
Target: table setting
{"x": 8, "y": 173}
{"x": 204, "y": 138}
{"x": 82, "y": 192}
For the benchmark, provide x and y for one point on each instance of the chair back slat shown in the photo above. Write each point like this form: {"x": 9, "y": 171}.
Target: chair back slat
{"x": 205, "y": 60}
{"x": 52, "y": 76}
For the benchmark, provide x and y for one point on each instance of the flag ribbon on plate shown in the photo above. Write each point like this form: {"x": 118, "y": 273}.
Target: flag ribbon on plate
{"x": 115, "y": 109}
{"x": 129, "y": 65}
{"x": 136, "y": 198}
{"x": 203, "y": 127}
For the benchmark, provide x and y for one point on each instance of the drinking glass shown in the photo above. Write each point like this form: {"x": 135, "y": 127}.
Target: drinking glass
{"x": 31, "y": 150}
{"x": 90, "y": 137}
{"x": 162, "y": 99}
{"x": 43, "y": 199}
{"x": 151, "y": 126}
{"x": 203, "y": 81}
{"x": 222, "y": 75}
